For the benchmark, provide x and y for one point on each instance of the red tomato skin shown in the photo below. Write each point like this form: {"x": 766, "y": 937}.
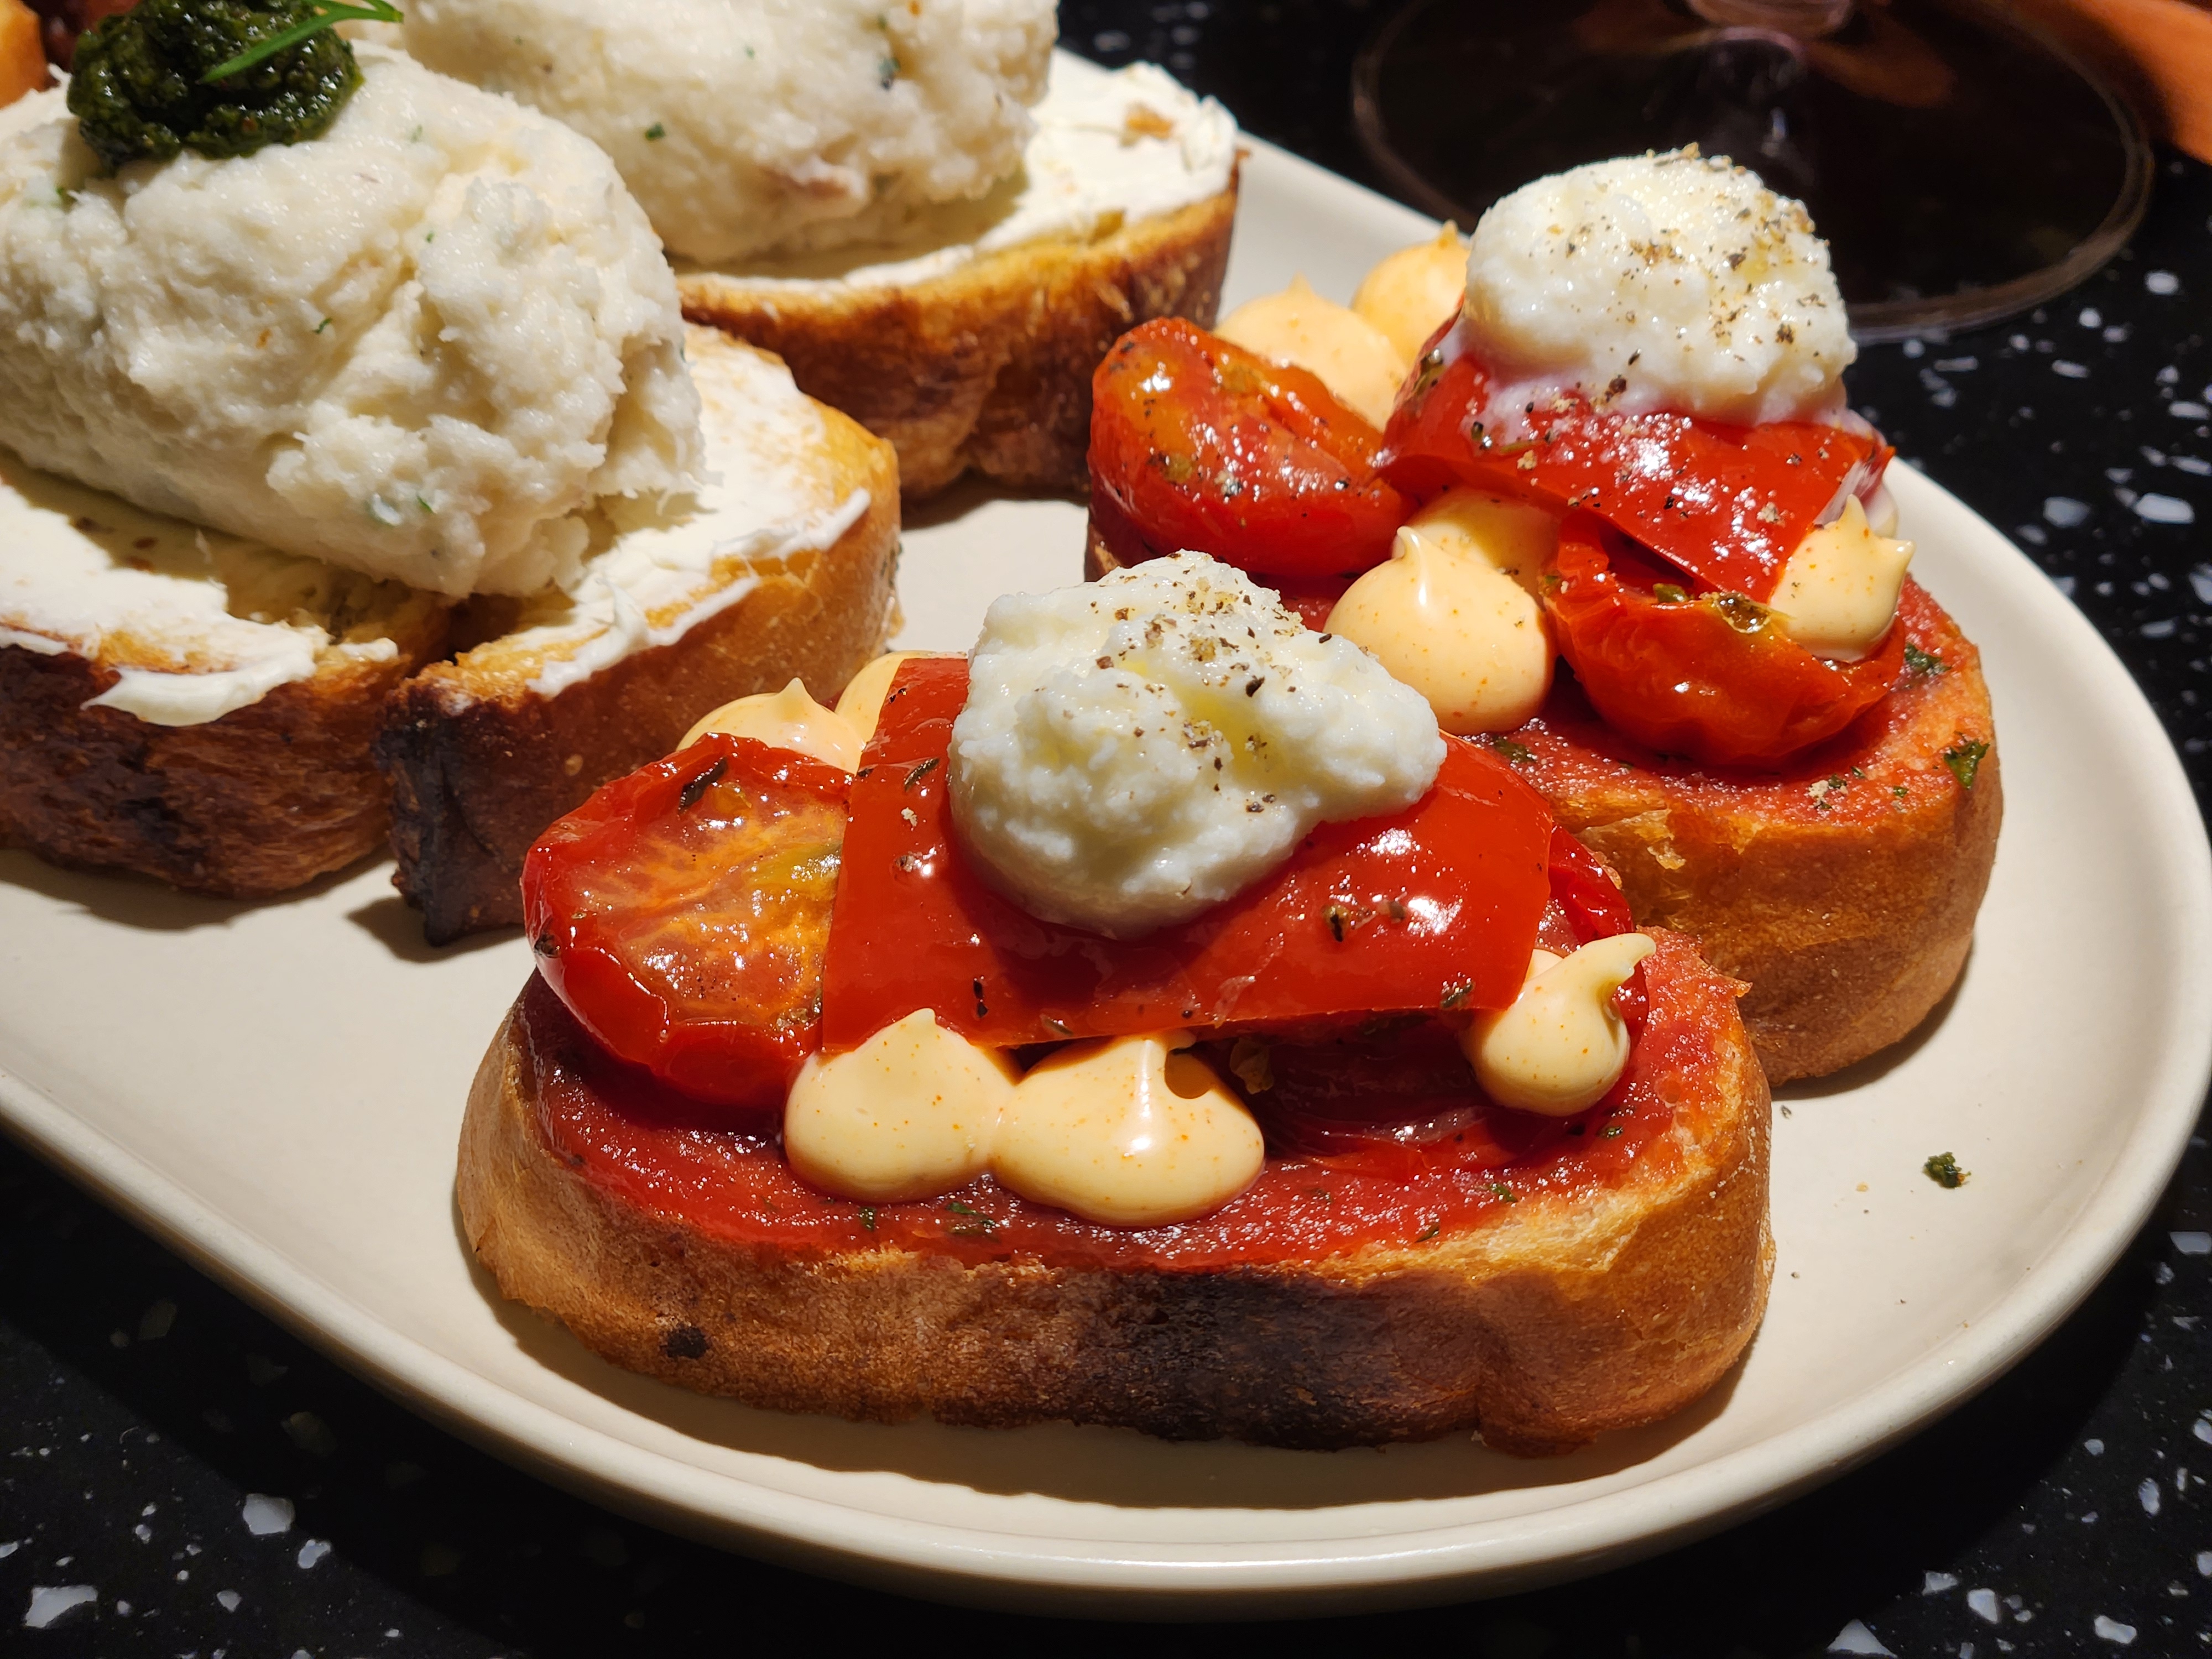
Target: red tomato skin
{"x": 1583, "y": 888}
{"x": 914, "y": 926}
{"x": 729, "y": 1063}
{"x": 1682, "y": 679}
{"x": 1199, "y": 445}
{"x": 1727, "y": 504}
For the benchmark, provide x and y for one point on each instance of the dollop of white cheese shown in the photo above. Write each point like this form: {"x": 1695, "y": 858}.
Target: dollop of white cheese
{"x": 1135, "y": 750}
{"x": 419, "y": 346}
{"x": 745, "y": 125}
{"x": 1676, "y": 282}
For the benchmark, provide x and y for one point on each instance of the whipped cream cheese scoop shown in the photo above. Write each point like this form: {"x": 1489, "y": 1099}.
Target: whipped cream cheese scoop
{"x": 1673, "y": 281}
{"x": 1135, "y": 750}
{"x": 420, "y": 345}
{"x": 748, "y": 126}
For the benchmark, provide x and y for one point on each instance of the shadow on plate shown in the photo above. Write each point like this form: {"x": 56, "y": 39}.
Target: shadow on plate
{"x": 1088, "y": 1464}
{"x": 136, "y": 901}
{"x": 964, "y": 496}
{"x": 398, "y": 926}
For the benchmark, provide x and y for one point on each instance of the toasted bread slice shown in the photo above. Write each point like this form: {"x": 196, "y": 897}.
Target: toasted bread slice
{"x": 1843, "y": 888}
{"x": 190, "y": 707}
{"x": 236, "y": 721}
{"x": 966, "y": 348}
{"x": 565, "y": 692}
{"x": 1578, "y": 1307}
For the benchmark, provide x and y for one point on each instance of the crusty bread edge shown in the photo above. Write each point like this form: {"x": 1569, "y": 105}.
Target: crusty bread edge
{"x": 988, "y": 366}
{"x": 479, "y": 764}
{"x": 1559, "y": 1319}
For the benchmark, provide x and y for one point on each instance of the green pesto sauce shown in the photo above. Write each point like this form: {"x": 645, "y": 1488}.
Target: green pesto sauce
{"x": 138, "y": 90}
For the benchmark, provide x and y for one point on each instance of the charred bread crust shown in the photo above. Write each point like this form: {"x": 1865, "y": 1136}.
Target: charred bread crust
{"x": 1843, "y": 888}
{"x": 990, "y": 366}
{"x": 1560, "y": 1319}
{"x": 479, "y": 763}
{"x": 1848, "y": 907}
{"x": 266, "y": 798}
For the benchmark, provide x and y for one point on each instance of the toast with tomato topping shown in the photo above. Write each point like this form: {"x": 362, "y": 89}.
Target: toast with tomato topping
{"x": 1540, "y": 1302}
{"x": 1841, "y": 888}
{"x": 1391, "y": 1254}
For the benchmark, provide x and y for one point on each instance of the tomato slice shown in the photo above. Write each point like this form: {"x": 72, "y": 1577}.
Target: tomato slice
{"x": 1727, "y": 504}
{"x": 1433, "y": 906}
{"x": 1198, "y": 444}
{"x": 1706, "y": 677}
{"x": 681, "y": 913}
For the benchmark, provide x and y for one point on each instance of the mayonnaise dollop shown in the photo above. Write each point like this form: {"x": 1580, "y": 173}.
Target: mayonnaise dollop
{"x": 1560, "y": 1046}
{"x": 1838, "y": 594}
{"x": 1453, "y": 611}
{"x": 1675, "y": 281}
{"x": 1136, "y": 750}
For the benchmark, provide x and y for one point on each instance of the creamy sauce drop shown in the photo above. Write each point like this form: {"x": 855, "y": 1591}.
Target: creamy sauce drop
{"x": 1453, "y": 611}
{"x": 789, "y": 719}
{"x": 1560, "y": 1047}
{"x": 1352, "y": 357}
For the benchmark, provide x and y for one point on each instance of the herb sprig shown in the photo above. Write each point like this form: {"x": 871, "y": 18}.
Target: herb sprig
{"x": 326, "y": 13}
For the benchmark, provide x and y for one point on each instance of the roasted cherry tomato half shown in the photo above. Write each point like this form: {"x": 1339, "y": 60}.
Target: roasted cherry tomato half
{"x": 1582, "y": 887}
{"x": 1707, "y": 676}
{"x": 1199, "y": 443}
{"x": 682, "y": 912}
{"x": 1727, "y": 504}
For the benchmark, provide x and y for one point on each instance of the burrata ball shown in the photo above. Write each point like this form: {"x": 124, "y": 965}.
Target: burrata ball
{"x": 1136, "y": 750}
{"x": 1676, "y": 282}
{"x": 752, "y": 126}
{"x": 418, "y": 346}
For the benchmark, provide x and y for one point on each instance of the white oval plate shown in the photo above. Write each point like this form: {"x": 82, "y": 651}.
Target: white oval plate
{"x": 276, "y": 1088}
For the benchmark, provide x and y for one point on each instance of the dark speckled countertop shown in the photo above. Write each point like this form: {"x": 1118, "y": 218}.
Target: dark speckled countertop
{"x": 221, "y": 1490}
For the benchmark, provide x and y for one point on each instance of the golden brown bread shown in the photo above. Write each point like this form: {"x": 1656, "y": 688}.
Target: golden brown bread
{"x": 266, "y": 798}
{"x": 988, "y": 366}
{"x": 479, "y": 763}
{"x": 1557, "y": 1318}
{"x": 1847, "y": 905}
{"x": 1843, "y": 887}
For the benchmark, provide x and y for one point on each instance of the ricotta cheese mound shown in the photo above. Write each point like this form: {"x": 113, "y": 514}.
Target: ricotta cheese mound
{"x": 1112, "y": 147}
{"x": 1675, "y": 281}
{"x": 745, "y": 126}
{"x": 418, "y": 346}
{"x": 1135, "y": 750}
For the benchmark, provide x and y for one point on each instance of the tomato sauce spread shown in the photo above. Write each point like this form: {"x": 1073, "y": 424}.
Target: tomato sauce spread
{"x": 645, "y": 1145}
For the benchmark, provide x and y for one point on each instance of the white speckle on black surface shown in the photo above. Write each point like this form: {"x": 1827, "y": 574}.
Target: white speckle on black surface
{"x": 49, "y": 1602}
{"x": 229, "y": 1600}
{"x": 263, "y": 1515}
{"x": 2192, "y": 1243}
{"x": 2111, "y": 1630}
{"x": 312, "y": 1552}
{"x": 2148, "y": 1496}
{"x": 1983, "y": 1604}
{"x": 1855, "y": 1637}
{"x": 1935, "y": 1583}
{"x": 2161, "y": 281}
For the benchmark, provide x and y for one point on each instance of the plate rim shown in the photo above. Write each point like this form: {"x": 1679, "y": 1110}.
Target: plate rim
{"x": 1449, "y": 1561}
